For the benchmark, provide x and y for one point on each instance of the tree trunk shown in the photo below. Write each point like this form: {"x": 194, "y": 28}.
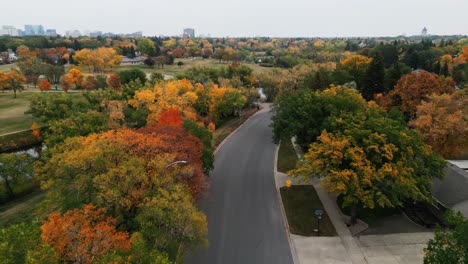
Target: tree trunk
{"x": 353, "y": 213}
{"x": 8, "y": 187}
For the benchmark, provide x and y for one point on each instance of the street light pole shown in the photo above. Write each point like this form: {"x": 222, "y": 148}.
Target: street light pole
{"x": 318, "y": 213}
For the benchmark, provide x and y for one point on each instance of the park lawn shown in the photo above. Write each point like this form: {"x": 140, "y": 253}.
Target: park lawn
{"x": 174, "y": 69}
{"x": 12, "y": 110}
{"x": 300, "y": 203}
{"x": 12, "y": 116}
{"x": 6, "y": 67}
{"x": 287, "y": 157}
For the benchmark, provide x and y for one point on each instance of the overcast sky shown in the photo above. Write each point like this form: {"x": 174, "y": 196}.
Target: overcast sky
{"x": 290, "y": 18}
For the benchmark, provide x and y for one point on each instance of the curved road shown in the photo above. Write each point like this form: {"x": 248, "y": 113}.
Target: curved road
{"x": 245, "y": 224}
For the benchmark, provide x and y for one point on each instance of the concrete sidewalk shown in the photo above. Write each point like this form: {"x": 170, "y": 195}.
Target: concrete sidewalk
{"x": 401, "y": 248}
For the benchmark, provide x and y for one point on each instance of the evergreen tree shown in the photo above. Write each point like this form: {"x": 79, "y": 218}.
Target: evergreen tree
{"x": 374, "y": 79}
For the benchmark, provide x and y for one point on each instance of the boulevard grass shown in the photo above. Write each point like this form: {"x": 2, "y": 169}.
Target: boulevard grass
{"x": 300, "y": 203}
{"x": 287, "y": 157}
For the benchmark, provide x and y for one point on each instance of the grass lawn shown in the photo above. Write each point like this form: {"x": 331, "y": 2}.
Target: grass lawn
{"x": 174, "y": 69}
{"x": 7, "y": 67}
{"x": 369, "y": 216}
{"x": 287, "y": 157}
{"x": 300, "y": 203}
{"x": 20, "y": 210}
{"x": 12, "y": 110}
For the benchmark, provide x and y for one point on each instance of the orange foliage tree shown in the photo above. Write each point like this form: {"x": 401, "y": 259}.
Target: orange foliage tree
{"x": 44, "y": 85}
{"x": 36, "y": 130}
{"x": 99, "y": 59}
{"x": 171, "y": 116}
{"x": 114, "y": 81}
{"x": 443, "y": 122}
{"x": 413, "y": 88}
{"x": 83, "y": 235}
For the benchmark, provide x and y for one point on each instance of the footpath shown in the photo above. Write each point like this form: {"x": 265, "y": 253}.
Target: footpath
{"x": 400, "y": 248}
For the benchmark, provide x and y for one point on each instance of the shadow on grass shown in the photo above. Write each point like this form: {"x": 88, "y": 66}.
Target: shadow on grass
{"x": 300, "y": 203}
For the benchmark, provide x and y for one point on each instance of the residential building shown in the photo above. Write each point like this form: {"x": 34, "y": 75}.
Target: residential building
{"x": 9, "y": 31}
{"x": 51, "y": 32}
{"x": 189, "y": 33}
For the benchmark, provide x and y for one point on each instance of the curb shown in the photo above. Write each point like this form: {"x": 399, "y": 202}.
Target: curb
{"x": 283, "y": 212}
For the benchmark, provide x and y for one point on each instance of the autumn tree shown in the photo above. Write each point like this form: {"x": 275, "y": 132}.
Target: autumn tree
{"x": 89, "y": 83}
{"x": 83, "y": 235}
{"x": 416, "y": 87}
{"x": 146, "y": 46}
{"x": 114, "y": 81}
{"x": 356, "y": 66}
{"x": 98, "y": 59}
{"x": 373, "y": 160}
{"x": 128, "y": 173}
{"x": 12, "y": 80}
{"x": 443, "y": 122}
{"x": 44, "y": 85}
{"x": 74, "y": 76}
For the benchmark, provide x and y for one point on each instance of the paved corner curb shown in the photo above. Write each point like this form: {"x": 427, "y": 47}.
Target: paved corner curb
{"x": 283, "y": 211}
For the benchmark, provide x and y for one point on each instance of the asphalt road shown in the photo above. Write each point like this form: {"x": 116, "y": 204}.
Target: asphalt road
{"x": 245, "y": 224}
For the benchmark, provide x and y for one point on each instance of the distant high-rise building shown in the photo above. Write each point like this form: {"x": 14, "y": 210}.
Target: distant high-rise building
{"x": 189, "y": 33}
{"x": 73, "y": 33}
{"x": 424, "y": 32}
{"x": 51, "y": 32}
{"x": 34, "y": 30}
{"x": 9, "y": 31}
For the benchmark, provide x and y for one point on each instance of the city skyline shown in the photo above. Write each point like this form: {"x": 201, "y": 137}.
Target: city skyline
{"x": 296, "y": 18}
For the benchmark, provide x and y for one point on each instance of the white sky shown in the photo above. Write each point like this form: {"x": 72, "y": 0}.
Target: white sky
{"x": 291, "y": 18}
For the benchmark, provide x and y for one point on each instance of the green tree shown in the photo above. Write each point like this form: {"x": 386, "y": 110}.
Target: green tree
{"x": 449, "y": 245}
{"x": 131, "y": 75}
{"x": 373, "y": 160}
{"x": 16, "y": 241}
{"x": 53, "y": 73}
{"x": 304, "y": 113}
{"x": 15, "y": 170}
{"x": 146, "y": 46}
{"x": 374, "y": 79}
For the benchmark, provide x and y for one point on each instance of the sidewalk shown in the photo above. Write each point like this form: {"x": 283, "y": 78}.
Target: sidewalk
{"x": 370, "y": 249}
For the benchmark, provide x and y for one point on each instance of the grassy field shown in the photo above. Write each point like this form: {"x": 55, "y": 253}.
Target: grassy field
{"x": 300, "y": 203}
{"x": 20, "y": 210}
{"x": 6, "y": 67}
{"x": 172, "y": 70}
{"x": 12, "y": 110}
{"x": 287, "y": 157}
